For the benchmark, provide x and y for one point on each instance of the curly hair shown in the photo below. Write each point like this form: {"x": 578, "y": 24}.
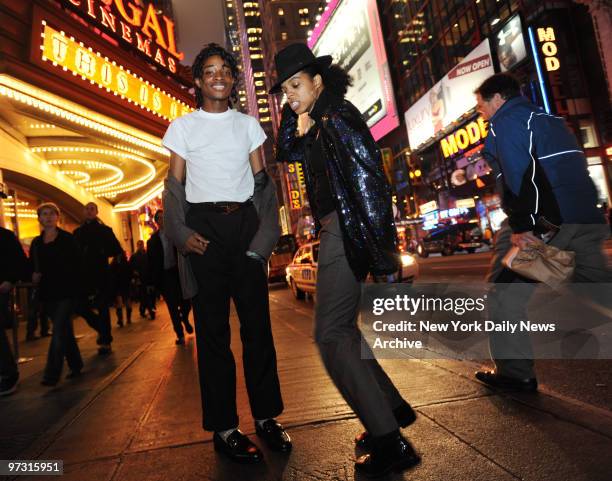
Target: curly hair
{"x": 335, "y": 78}
{"x": 211, "y": 50}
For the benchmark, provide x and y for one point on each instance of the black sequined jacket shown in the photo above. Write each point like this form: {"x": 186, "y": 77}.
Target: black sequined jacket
{"x": 360, "y": 190}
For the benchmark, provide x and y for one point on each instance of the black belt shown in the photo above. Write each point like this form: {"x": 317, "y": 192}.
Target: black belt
{"x": 221, "y": 207}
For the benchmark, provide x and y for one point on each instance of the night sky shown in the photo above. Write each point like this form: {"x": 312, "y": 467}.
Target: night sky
{"x": 198, "y": 22}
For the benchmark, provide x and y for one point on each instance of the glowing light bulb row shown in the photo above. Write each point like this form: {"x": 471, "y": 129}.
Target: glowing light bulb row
{"x": 44, "y": 106}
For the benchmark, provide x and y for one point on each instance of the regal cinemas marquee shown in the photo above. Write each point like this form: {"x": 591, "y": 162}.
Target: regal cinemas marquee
{"x": 87, "y": 90}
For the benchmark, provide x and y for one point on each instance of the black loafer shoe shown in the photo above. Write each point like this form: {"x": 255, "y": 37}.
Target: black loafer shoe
{"x": 491, "y": 378}
{"x": 405, "y": 416}
{"x": 274, "y": 436}
{"x": 188, "y": 328}
{"x": 238, "y": 448}
{"x": 73, "y": 374}
{"x": 393, "y": 453}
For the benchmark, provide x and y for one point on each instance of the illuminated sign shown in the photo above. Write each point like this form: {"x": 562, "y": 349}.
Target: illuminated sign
{"x": 445, "y": 214}
{"x": 463, "y": 138}
{"x": 467, "y": 203}
{"x": 547, "y": 37}
{"x": 451, "y": 98}
{"x": 295, "y": 185}
{"x": 428, "y": 207}
{"x": 72, "y": 56}
{"x": 350, "y": 31}
{"x": 142, "y": 27}
{"x": 387, "y": 160}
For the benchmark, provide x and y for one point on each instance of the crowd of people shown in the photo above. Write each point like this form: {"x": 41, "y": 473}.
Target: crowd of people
{"x": 85, "y": 273}
{"x": 220, "y": 224}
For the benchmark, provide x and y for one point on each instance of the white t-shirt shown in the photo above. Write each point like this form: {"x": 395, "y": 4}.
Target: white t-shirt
{"x": 216, "y": 148}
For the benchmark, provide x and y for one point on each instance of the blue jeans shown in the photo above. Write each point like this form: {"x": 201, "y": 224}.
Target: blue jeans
{"x": 63, "y": 344}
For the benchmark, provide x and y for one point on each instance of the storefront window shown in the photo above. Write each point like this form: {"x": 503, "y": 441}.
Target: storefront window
{"x": 596, "y": 172}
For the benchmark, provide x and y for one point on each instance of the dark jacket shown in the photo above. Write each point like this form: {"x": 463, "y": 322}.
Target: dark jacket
{"x": 543, "y": 170}
{"x": 13, "y": 267}
{"x": 139, "y": 264}
{"x": 97, "y": 243}
{"x": 155, "y": 253}
{"x": 121, "y": 275}
{"x": 13, "y": 262}
{"x": 60, "y": 264}
{"x": 359, "y": 187}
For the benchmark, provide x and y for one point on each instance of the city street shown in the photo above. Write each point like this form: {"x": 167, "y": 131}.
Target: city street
{"x": 136, "y": 414}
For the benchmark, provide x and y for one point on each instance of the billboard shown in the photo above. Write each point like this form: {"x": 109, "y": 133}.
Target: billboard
{"x": 350, "y": 32}
{"x": 450, "y": 98}
{"x": 510, "y": 44}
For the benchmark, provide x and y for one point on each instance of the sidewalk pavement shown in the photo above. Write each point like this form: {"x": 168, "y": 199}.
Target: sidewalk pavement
{"x": 136, "y": 416}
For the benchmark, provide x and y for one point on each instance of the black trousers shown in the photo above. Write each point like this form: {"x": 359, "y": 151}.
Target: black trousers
{"x": 8, "y": 366}
{"x": 224, "y": 272}
{"x": 177, "y": 306}
{"x": 99, "y": 321}
{"x": 63, "y": 344}
{"x": 36, "y": 313}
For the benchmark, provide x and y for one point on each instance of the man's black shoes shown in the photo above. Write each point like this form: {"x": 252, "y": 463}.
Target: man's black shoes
{"x": 8, "y": 385}
{"x": 238, "y": 448}
{"x": 274, "y": 435}
{"x": 405, "y": 416}
{"x": 389, "y": 453}
{"x": 493, "y": 379}
{"x": 188, "y": 328}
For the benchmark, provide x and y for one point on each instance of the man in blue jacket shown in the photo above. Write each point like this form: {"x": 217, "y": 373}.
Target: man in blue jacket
{"x": 547, "y": 194}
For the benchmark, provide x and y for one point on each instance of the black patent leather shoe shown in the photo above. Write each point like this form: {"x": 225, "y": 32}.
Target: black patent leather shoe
{"x": 274, "y": 436}
{"x": 404, "y": 415}
{"x": 491, "y": 378}
{"x": 238, "y": 448}
{"x": 389, "y": 453}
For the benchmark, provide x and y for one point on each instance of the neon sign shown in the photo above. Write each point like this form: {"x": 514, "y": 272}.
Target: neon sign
{"x": 72, "y": 56}
{"x": 547, "y": 38}
{"x": 141, "y": 28}
{"x": 295, "y": 181}
{"x": 463, "y": 138}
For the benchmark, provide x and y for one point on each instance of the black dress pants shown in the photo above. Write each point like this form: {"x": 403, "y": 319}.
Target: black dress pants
{"x": 8, "y": 366}
{"x": 225, "y": 272}
{"x": 177, "y": 306}
{"x": 63, "y": 343}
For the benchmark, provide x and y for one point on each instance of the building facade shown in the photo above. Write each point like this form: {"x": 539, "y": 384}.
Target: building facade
{"x": 87, "y": 89}
{"x": 553, "y": 48}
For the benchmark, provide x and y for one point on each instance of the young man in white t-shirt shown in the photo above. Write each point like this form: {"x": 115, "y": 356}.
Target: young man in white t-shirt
{"x": 215, "y": 152}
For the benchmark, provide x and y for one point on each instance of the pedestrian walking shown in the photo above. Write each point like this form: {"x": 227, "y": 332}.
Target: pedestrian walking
{"x": 229, "y": 232}
{"x": 548, "y": 195}
{"x": 58, "y": 276}
{"x": 121, "y": 282}
{"x": 12, "y": 267}
{"x": 97, "y": 244}
{"x": 351, "y": 202}
{"x": 164, "y": 277}
{"x": 139, "y": 263}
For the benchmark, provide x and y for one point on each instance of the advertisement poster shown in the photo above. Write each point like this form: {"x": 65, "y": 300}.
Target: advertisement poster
{"x": 352, "y": 36}
{"x": 450, "y": 98}
{"x": 510, "y": 44}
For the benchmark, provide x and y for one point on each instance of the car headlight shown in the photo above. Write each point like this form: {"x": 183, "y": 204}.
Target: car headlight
{"x": 407, "y": 260}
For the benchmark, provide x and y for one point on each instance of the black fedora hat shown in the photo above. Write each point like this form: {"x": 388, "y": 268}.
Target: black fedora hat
{"x": 292, "y": 59}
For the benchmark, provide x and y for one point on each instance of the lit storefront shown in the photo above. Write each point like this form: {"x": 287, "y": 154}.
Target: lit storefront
{"x": 87, "y": 90}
